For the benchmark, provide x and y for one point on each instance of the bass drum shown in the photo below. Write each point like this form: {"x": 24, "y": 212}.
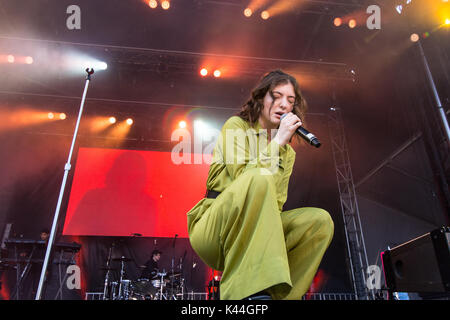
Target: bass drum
{"x": 143, "y": 289}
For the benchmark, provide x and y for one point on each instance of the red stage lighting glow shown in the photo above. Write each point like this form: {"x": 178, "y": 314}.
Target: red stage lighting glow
{"x": 204, "y": 72}
{"x": 121, "y": 192}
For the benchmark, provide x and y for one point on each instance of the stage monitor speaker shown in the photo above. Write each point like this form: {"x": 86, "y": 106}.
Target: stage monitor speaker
{"x": 419, "y": 265}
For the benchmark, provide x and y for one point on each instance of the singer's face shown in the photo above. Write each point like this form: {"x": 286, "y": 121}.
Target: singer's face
{"x": 276, "y": 102}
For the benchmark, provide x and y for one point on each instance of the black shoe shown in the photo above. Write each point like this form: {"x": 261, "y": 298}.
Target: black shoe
{"x": 262, "y": 295}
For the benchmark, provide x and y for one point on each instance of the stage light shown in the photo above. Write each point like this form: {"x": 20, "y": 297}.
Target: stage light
{"x": 202, "y": 130}
{"x": 50, "y": 115}
{"x": 265, "y": 15}
{"x": 77, "y": 63}
{"x": 248, "y": 12}
{"x": 399, "y": 8}
{"x": 29, "y": 60}
{"x": 447, "y": 22}
{"x": 112, "y": 120}
{"x": 217, "y": 73}
{"x": 95, "y": 64}
{"x": 62, "y": 116}
{"x": 182, "y": 124}
{"x": 352, "y": 23}
{"x": 129, "y": 121}
{"x": 101, "y": 65}
{"x": 165, "y": 5}
{"x": 10, "y": 58}
{"x": 153, "y": 4}
{"x": 204, "y": 72}
{"x": 414, "y": 37}
{"x": 337, "y": 22}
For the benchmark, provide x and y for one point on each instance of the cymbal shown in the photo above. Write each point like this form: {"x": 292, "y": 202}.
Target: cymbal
{"x": 175, "y": 274}
{"x": 122, "y": 259}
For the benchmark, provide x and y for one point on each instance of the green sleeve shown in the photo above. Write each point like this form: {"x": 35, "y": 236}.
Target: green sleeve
{"x": 239, "y": 150}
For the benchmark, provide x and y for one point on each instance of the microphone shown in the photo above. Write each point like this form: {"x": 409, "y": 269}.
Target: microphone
{"x": 306, "y": 135}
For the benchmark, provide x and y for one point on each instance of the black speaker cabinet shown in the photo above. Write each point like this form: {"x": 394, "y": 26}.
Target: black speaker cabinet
{"x": 419, "y": 265}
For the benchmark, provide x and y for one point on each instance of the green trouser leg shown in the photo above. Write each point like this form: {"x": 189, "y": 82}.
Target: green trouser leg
{"x": 242, "y": 234}
{"x": 308, "y": 233}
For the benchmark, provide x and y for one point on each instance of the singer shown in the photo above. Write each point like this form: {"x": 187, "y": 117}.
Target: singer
{"x": 240, "y": 227}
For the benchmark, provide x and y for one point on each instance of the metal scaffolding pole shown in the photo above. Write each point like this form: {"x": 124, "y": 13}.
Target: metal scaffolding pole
{"x": 356, "y": 248}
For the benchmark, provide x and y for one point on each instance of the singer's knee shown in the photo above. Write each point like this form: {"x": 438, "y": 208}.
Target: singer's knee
{"x": 260, "y": 179}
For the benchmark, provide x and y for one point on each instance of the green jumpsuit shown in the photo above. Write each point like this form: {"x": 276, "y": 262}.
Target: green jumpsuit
{"x": 244, "y": 232}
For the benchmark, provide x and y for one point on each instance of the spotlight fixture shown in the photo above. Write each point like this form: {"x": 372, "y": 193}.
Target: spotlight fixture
{"x": 337, "y": 22}
{"x": 165, "y": 5}
{"x": 182, "y": 124}
{"x": 248, "y": 12}
{"x": 204, "y": 72}
{"x": 352, "y": 23}
{"x": 414, "y": 37}
{"x": 265, "y": 15}
{"x": 29, "y": 60}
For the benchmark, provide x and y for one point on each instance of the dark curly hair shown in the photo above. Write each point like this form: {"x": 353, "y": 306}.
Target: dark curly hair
{"x": 252, "y": 108}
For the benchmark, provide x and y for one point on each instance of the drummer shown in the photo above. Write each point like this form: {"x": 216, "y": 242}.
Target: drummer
{"x": 151, "y": 266}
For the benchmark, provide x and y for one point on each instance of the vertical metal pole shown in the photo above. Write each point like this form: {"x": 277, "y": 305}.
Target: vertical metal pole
{"x": 435, "y": 93}
{"x": 61, "y": 192}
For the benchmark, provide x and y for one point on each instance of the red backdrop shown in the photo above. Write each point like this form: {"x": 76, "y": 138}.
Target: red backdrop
{"x": 121, "y": 192}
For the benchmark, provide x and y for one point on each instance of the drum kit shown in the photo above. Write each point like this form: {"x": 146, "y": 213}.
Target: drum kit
{"x": 163, "y": 286}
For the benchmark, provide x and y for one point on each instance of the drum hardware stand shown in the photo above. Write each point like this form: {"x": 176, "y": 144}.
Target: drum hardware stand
{"x": 24, "y": 273}
{"x": 61, "y": 192}
{"x": 162, "y": 284}
{"x": 172, "y": 266}
{"x": 63, "y": 280}
{"x": 107, "y": 276}
{"x": 122, "y": 273}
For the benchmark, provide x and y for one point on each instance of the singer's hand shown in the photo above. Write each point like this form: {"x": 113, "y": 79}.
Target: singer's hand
{"x": 288, "y": 125}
